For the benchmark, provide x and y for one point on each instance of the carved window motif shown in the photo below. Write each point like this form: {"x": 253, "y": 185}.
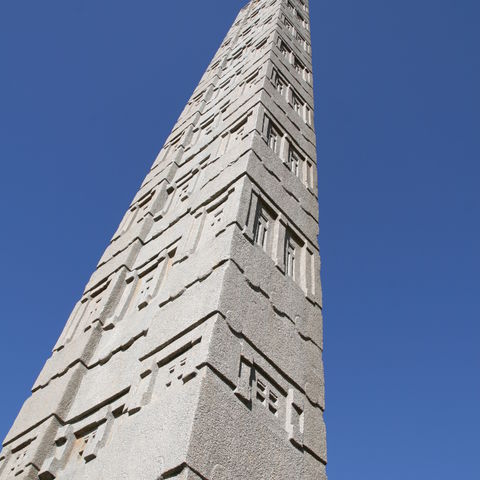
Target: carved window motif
{"x": 214, "y": 65}
{"x": 279, "y": 83}
{"x": 290, "y": 253}
{"x": 144, "y": 203}
{"x": 288, "y": 24}
{"x": 185, "y": 187}
{"x": 252, "y": 78}
{"x": 170, "y": 196}
{"x": 175, "y": 141}
{"x": 197, "y": 99}
{"x": 225, "y": 86}
{"x": 246, "y": 32}
{"x": 232, "y": 137}
{"x": 135, "y": 214}
{"x": 183, "y": 191}
{"x": 213, "y": 222}
{"x": 273, "y": 136}
{"x": 19, "y": 460}
{"x": 261, "y": 229}
{"x": 74, "y": 321}
{"x": 294, "y": 161}
{"x": 295, "y": 418}
{"x": 216, "y": 218}
{"x": 261, "y": 223}
{"x": 293, "y": 256}
{"x": 261, "y": 45}
{"x": 236, "y": 80}
{"x": 308, "y": 116}
{"x": 237, "y": 54}
{"x": 215, "y": 94}
{"x": 125, "y": 300}
{"x": 173, "y": 144}
{"x": 167, "y": 373}
{"x": 179, "y": 370}
{"x": 89, "y": 440}
{"x": 297, "y": 103}
{"x": 152, "y": 279}
{"x": 284, "y": 49}
{"x": 89, "y": 310}
{"x": 267, "y": 396}
{"x": 302, "y": 20}
{"x": 168, "y": 266}
{"x": 300, "y": 39}
{"x": 175, "y": 371}
{"x": 223, "y": 111}
{"x": 297, "y": 14}
{"x": 139, "y": 291}
{"x": 309, "y": 175}
{"x": 249, "y": 82}
{"x": 96, "y": 304}
{"x": 224, "y": 140}
{"x": 126, "y": 222}
{"x": 147, "y": 285}
{"x": 298, "y": 66}
{"x": 83, "y": 442}
{"x": 206, "y": 128}
{"x": 196, "y": 136}
{"x": 3, "y": 460}
{"x": 238, "y": 132}
{"x": 255, "y": 13}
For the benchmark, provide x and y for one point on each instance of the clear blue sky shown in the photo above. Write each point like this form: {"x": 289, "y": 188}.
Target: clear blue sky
{"x": 88, "y": 93}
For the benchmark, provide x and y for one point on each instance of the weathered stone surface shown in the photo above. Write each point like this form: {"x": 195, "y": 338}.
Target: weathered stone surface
{"x": 195, "y": 350}
{"x": 79, "y": 350}
{"x": 55, "y": 399}
{"x": 22, "y": 457}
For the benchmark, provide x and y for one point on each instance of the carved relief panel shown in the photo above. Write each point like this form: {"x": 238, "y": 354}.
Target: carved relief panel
{"x": 142, "y": 286}
{"x": 16, "y": 462}
{"x": 280, "y": 403}
{"x": 167, "y": 372}
{"x": 95, "y": 306}
{"x": 209, "y": 221}
{"x": 148, "y": 204}
{"x": 179, "y": 192}
{"x": 76, "y": 445}
{"x": 22, "y": 457}
{"x": 268, "y": 228}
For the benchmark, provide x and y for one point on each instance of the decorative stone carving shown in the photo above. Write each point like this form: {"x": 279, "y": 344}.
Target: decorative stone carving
{"x": 195, "y": 351}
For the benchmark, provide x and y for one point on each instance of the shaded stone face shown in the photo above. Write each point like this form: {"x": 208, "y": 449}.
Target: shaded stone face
{"x": 195, "y": 351}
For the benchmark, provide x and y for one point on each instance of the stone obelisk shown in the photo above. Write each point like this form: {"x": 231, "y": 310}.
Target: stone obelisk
{"x": 195, "y": 351}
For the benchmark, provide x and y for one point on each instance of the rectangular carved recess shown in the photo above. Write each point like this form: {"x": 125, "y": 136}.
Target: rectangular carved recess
{"x": 273, "y": 397}
{"x": 267, "y": 228}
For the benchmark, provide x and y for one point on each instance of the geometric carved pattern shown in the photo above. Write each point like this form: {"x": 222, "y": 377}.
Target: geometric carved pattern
{"x": 195, "y": 350}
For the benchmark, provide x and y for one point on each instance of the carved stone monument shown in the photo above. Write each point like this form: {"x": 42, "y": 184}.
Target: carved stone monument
{"x": 195, "y": 351}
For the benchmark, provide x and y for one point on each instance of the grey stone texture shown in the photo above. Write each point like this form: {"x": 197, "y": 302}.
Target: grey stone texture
{"x": 195, "y": 350}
